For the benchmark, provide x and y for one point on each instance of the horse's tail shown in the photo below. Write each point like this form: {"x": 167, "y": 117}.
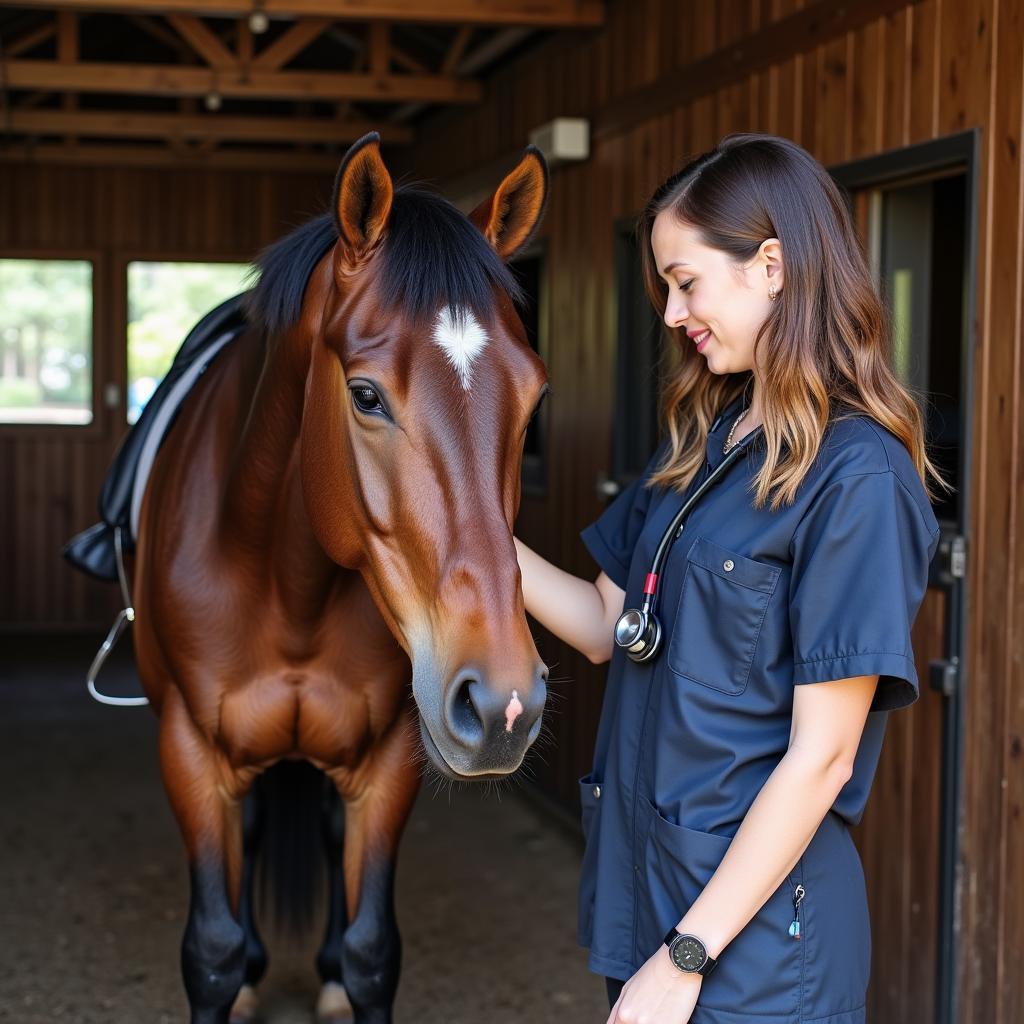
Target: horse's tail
{"x": 294, "y": 798}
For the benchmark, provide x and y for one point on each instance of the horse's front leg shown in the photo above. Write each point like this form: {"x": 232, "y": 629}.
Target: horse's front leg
{"x": 244, "y": 1010}
{"x": 213, "y": 947}
{"x": 375, "y": 815}
{"x": 333, "y": 1006}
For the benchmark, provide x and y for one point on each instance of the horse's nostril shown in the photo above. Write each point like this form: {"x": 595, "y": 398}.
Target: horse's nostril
{"x": 464, "y": 718}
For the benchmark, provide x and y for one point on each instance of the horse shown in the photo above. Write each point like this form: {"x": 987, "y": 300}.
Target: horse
{"x": 324, "y": 570}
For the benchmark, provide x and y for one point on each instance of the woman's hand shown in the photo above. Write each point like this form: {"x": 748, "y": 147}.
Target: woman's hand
{"x": 659, "y": 993}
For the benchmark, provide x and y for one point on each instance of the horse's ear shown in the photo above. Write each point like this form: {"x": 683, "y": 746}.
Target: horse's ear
{"x": 362, "y": 196}
{"x": 509, "y": 217}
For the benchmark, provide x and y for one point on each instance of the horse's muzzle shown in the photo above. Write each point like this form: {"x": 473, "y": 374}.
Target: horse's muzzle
{"x": 481, "y": 728}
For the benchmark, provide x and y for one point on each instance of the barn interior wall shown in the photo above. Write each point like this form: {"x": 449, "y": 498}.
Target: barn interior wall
{"x": 50, "y": 475}
{"x": 919, "y": 72}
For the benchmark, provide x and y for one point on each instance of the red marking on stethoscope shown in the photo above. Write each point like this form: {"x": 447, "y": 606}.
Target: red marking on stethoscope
{"x": 651, "y": 584}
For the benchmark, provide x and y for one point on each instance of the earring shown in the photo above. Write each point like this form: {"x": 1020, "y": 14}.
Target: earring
{"x": 772, "y": 292}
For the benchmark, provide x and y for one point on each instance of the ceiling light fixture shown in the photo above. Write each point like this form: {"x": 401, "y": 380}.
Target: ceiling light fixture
{"x": 258, "y": 21}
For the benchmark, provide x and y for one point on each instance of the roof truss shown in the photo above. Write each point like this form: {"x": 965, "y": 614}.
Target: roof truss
{"x": 202, "y": 75}
{"x": 534, "y": 13}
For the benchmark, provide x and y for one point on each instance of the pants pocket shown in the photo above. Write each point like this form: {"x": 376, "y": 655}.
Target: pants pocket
{"x": 759, "y": 972}
{"x": 836, "y": 925}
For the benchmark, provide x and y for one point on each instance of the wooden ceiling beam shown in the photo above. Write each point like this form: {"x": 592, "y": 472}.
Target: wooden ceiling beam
{"x": 167, "y": 156}
{"x": 290, "y": 44}
{"x": 67, "y": 37}
{"x": 380, "y": 48}
{"x": 408, "y": 61}
{"x": 111, "y": 124}
{"x": 201, "y": 38}
{"x": 163, "y": 35}
{"x": 244, "y": 43}
{"x": 32, "y": 100}
{"x": 537, "y": 13}
{"x": 30, "y": 40}
{"x": 488, "y": 51}
{"x": 456, "y": 50}
{"x": 175, "y": 80}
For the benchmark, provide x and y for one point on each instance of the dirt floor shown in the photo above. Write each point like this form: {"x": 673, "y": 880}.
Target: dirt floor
{"x": 94, "y": 885}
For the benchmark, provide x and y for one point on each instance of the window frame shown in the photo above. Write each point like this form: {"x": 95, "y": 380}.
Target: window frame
{"x": 97, "y": 426}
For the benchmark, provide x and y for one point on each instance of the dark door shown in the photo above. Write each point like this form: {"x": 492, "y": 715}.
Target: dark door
{"x": 915, "y": 220}
{"x": 641, "y": 363}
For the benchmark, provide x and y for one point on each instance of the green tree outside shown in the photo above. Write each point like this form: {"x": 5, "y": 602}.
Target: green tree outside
{"x": 45, "y": 341}
{"x": 165, "y": 300}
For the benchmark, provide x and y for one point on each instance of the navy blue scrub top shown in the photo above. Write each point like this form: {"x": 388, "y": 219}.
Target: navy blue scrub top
{"x": 753, "y": 602}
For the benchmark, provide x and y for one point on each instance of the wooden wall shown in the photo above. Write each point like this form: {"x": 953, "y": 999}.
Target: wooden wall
{"x": 49, "y": 475}
{"x": 916, "y": 73}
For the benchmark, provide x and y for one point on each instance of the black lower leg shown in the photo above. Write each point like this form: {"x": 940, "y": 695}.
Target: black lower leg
{"x": 253, "y": 818}
{"x": 371, "y": 950}
{"x": 213, "y": 949}
{"x": 328, "y": 959}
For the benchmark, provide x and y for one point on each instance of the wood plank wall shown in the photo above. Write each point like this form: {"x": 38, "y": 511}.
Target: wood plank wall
{"x": 919, "y": 73}
{"x": 50, "y": 476}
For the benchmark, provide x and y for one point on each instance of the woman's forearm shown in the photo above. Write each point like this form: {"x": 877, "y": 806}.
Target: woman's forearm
{"x": 774, "y": 834}
{"x": 575, "y": 610}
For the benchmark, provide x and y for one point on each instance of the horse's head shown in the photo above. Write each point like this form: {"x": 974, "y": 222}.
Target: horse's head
{"x": 420, "y": 389}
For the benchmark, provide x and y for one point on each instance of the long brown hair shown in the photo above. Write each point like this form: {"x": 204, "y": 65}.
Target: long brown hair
{"x": 824, "y": 346}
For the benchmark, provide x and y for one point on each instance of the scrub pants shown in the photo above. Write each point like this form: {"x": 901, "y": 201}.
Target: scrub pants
{"x": 614, "y": 989}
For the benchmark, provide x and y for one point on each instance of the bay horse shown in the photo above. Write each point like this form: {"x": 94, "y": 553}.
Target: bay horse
{"x": 327, "y": 533}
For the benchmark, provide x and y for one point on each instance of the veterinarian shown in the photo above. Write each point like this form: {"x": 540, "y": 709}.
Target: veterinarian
{"x": 758, "y": 641}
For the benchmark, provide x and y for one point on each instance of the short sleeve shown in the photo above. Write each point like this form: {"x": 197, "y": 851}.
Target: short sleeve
{"x": 611, "y": 539}
{"x": 861, "y": 554}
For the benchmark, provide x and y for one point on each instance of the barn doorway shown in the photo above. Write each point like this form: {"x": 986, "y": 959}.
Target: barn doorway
{"x": 915, "y": 212}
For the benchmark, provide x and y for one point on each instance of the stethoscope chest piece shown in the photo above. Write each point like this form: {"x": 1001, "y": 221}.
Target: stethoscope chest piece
{"x": 638, "y": 632}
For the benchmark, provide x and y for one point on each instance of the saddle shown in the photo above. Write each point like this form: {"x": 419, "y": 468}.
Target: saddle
{"x": 93, "y": 550}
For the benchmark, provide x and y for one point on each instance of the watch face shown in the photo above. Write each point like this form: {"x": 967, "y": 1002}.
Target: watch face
{"x": 688, "y": 953}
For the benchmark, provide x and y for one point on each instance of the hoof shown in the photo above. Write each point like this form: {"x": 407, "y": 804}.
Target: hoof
{"x": 333, "y": 1006}
{"x": 244, "y": 1010}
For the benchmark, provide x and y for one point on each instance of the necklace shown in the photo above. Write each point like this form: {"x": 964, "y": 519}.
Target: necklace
{"x": 732, "y": 430}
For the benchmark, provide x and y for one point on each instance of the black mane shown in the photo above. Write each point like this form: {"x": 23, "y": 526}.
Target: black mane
{"x": 432, "y": 256}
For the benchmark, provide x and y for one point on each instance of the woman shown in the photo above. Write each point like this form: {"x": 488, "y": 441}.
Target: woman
{"x": 730, "y": 765}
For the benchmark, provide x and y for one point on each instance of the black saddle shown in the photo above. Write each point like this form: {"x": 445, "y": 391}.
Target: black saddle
{"x": 92, "y": 550}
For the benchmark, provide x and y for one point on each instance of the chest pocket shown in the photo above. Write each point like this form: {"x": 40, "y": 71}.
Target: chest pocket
{"x": 722, "y": 607}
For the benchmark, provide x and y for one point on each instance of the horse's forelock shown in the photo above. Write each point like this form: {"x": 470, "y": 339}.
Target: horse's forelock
{"x": 432, "y": 259}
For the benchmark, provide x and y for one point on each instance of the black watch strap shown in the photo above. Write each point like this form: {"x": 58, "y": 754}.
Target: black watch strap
{"x": 710, "y": 963}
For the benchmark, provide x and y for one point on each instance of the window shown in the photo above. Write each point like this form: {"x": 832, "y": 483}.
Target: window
{"x": 45, "y": 341}
{"x": 165, "y": 301}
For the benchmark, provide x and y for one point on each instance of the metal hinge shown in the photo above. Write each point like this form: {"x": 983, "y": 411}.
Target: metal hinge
{"x": 958, "y": 557}
{"x": 950, "y": 562}
{"x": 944, "y": 675}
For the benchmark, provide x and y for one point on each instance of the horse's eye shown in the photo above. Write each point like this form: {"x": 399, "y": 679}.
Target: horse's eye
{"x": 366, "y": 399}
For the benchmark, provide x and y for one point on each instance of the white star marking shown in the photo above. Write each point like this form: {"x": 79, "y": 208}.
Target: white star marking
{"x": 462, "y": 339}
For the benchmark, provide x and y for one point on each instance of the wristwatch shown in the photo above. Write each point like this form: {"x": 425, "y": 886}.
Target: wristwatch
{"x": 689, "y": 954}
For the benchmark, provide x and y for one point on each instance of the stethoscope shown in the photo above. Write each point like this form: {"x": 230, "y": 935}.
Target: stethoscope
{"x": 638, "y": 631}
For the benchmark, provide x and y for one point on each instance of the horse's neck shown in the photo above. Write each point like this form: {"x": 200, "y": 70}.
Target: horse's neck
{"x": 263, "y": 515}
